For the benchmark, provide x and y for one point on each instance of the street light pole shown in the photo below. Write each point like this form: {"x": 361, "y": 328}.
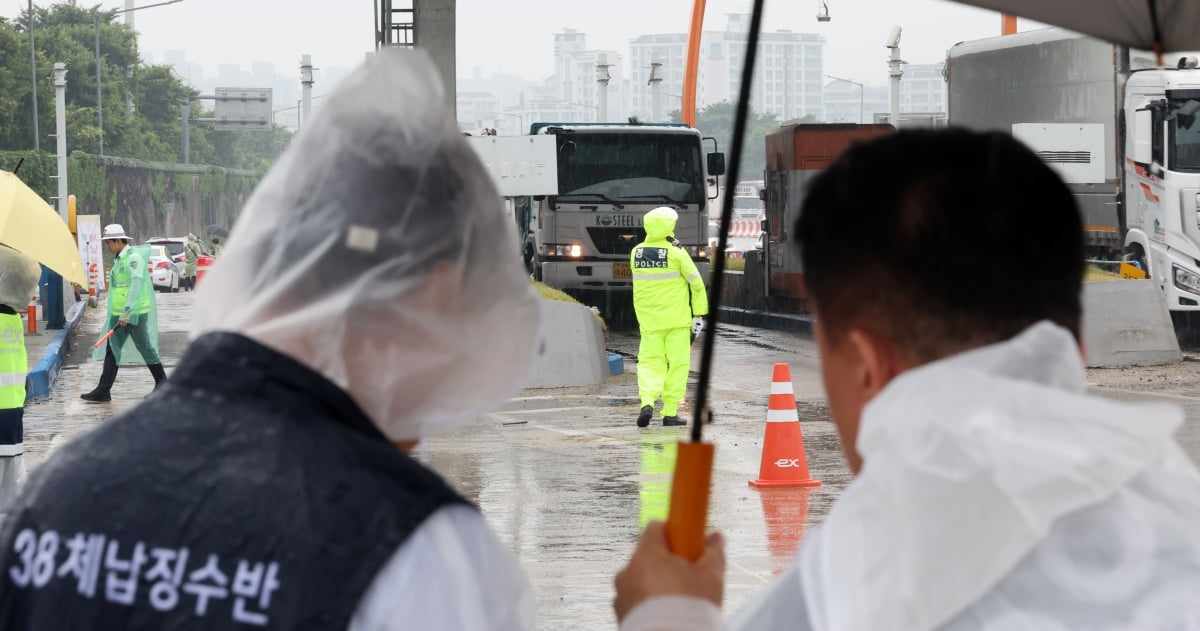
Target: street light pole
{"x": 37, "y": 139}
{"x": 99, "y": 89}
{"x": 99, "y": 79}
{"x": 860, "y": 94}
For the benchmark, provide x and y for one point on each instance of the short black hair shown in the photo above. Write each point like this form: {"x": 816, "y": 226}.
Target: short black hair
{"x": 941, "y": 241}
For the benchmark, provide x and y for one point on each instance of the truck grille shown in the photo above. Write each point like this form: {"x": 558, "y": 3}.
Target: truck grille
{"x": 615, "y": 240}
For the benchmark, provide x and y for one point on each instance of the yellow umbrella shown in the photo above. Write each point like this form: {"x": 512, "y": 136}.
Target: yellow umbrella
{"x": 31, "y": 226}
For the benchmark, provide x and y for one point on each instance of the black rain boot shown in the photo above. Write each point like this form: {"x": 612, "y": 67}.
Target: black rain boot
{"x": 109, "y": 375}
{"x": 160, "y": 375}
{"x": 643, "y": 419}
{"x": 673, "y": 421}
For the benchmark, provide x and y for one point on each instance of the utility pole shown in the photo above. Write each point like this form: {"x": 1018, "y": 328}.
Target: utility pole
{"x": 60, "y": 106}
{"x": 99, "y": 89}
{"x": 52, "y": 298}
{"x": 895, "y": 71}
{"x": 655, "y": 83}
{"x": 306, "y": 81}
{"x": 602, "y": 78}
{"x": 37, "y": 138}
{"x": 129, "y": 13}
{"x": 187, "y": 132}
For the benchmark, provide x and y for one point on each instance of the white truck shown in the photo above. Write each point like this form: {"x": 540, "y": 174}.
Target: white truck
{"x": 609, "y": 177}
{"x": 1123, "y": 134}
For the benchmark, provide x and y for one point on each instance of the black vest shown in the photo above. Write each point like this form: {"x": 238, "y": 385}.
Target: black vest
{"x": 249, "y": 492}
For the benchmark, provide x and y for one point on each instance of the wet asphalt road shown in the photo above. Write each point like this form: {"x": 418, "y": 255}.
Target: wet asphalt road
{"x": 566, "y": 478}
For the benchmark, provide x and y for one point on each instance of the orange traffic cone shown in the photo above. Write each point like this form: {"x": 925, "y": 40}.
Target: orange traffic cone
{"x": 783, "y": 459}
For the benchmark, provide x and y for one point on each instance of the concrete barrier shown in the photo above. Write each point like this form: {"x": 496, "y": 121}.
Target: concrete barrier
{"x": 1126, "y": 323}
{"x": 41, "y": 379}
{"x": 570, "y": 347}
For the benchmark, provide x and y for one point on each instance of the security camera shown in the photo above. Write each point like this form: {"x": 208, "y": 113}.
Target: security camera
{"x": 893, "y": 39}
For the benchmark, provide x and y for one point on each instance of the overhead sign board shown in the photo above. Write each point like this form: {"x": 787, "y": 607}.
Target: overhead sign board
{"x": 520, "y": 165}
{"x": 246, "y": 109}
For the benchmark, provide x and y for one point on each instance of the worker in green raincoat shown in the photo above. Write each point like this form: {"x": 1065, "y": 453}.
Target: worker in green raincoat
{"x": 670, "y": 302}
{"x": 191, "y": 253}
{"x": 132, "y": 315}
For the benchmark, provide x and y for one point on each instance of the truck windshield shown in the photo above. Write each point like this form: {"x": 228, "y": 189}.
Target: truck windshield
{"x": 1185, "y": 136}
{"x": 629, "y": 167}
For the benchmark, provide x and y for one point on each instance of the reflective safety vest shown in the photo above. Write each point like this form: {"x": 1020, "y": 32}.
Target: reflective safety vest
{"x": 130, "y": 269}
{"x": 667, "y": 287}
{"x": 13, "y": 366}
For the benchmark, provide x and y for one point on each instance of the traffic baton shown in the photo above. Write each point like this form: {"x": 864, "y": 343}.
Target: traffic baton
{"x": 105, "y": 338}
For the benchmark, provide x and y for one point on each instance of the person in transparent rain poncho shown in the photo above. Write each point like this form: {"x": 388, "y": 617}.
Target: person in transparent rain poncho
{"x": 992, "y": 492}
{"x": 370, "y": 294}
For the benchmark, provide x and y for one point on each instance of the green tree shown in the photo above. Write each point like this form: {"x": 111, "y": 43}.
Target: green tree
{"x": 717, "y": 120}
{"x": 150, "y": 130}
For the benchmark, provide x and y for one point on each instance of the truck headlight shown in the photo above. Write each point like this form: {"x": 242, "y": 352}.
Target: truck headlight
{"x": 574, "y": 250}
{"x": 702, "y": 252}
{"x": 1187, "y": 280}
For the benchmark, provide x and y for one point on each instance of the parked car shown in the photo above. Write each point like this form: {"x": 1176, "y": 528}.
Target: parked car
{"x": 164, "y": 272}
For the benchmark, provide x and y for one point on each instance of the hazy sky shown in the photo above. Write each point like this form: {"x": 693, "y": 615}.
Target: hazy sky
{"x": 516, "y": 36}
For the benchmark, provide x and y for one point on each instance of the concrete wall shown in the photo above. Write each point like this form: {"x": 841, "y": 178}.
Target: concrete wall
{"x": 143, "y": 218}
{"x": 165, "y": 200}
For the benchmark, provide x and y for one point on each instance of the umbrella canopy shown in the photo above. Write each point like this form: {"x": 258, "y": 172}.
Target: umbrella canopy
{"x": 1134, "y": 23}
{"x": 31, "y": 226}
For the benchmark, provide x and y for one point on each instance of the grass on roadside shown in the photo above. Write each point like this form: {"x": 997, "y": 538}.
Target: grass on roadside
{"x": 546, "y": 292}
{"x": 1096, "y": 274}
{"x": 735, "y": 265}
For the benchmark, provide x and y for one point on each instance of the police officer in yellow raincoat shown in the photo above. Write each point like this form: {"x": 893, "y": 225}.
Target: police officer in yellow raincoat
{"x": 132, "y": 314}
{"x": 668, "y": 297}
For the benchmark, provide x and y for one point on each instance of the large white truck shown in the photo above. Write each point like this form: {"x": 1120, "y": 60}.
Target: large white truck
{"x": 1123, "y": 133}
{"x": 609, "y": 177}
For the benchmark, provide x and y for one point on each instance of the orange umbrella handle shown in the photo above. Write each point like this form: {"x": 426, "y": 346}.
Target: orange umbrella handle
{"x": 104, "y": 339}
{"x": 687, "y": 520}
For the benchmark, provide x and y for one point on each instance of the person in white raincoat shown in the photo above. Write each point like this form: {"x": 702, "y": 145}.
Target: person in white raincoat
{"x": 370, "y": 294}
{"x": 992, "y": 492}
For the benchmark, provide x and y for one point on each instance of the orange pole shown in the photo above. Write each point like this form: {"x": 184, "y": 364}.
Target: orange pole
{"x": 31, "y": 311}
{"x": 692, "y": 71}
{"x": 1008, "y": 24}
{"x": 687, "y": 519}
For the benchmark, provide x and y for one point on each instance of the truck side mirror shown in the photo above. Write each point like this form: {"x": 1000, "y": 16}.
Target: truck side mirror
{"x": 762, "y": 194}
{"x": 1143, "y": 133}
{"x": 716, "y": 164}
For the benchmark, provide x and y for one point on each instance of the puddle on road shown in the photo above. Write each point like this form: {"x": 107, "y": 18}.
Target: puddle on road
{"x": 785, "y": 512}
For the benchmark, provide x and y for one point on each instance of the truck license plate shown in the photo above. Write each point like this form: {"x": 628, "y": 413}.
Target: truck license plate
{"x": 621, "y": 270}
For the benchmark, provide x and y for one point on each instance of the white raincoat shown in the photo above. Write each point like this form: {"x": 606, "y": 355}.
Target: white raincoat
{"x": 997, "y": 495}
{"x": 377, "y": 253}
